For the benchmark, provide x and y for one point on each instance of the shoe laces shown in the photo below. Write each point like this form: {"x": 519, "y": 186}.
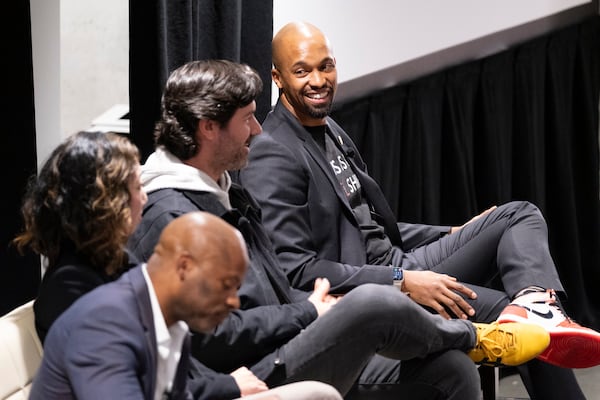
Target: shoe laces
{"x": 554, "y": 302}
{"x": 492, "y": 345}
{"x": 548, "y": 297}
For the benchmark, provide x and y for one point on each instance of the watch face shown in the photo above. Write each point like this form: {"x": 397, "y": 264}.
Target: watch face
{"x": 398, "y": 274}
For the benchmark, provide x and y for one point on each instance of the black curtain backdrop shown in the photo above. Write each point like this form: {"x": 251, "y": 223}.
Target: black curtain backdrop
{"x": 165, "y": 34}
{"x": 19, "y": 276}
{"x": 518, "y": 125}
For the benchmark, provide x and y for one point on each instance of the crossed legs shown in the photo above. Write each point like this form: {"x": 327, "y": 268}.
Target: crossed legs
{"x": 375, "y": 319}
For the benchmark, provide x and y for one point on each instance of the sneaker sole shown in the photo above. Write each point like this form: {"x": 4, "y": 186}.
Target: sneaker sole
{"x": 568, "y": 348}
{"x": 572, "y": 350}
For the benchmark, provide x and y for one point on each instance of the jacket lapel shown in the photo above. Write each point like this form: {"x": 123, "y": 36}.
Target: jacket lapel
{"x": 142, "y": 296}
{"x": 375, "y": 196}
{"x": 370, "y": 188}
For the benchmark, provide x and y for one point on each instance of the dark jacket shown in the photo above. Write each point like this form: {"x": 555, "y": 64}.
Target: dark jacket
{"x": 307, "y": 215}
{"x": 109, "y": 356}
{"x": 271, "y": 311}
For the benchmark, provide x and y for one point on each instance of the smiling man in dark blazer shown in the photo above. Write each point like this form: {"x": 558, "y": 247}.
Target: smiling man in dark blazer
{"x": 328, "y": 218}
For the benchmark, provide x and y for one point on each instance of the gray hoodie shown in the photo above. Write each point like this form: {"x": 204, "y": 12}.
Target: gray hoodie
{"x": 163, "y": 170}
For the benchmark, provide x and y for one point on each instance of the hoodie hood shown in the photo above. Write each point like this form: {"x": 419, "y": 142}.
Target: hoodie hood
{"x": 163, "y": 170}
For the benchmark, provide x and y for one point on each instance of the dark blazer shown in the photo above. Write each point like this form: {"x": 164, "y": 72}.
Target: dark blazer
{"x": 306, "y": 213}
{"x": 104, "y": 347}
{"x": 271, "y": 312}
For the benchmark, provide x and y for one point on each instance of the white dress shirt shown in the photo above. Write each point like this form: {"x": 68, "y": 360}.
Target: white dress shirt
{"x": 169, "y": 341}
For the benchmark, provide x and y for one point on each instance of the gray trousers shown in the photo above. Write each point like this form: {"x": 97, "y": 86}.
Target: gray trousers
{"x": 510, "y": 243}
{"x": 370, "y": 329}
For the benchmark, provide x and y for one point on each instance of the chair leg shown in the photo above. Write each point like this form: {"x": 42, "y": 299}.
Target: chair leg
{"x": 489, "y": 382}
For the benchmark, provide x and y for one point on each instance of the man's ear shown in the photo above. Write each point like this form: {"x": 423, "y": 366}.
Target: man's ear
{"x": 276, "y": 77}
{"x": 182, "y": 266}
{"x": 208, "y": 128}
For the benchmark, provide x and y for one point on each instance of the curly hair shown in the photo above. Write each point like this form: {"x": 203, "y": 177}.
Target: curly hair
{"x": 80, "y": 198}
{"x": 209, "y": 89}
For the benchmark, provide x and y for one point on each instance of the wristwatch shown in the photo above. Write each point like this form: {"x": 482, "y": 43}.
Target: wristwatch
{"x": 398, "y": 277}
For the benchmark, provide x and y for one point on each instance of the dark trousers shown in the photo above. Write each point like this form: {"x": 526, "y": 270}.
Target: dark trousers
{"x": 509, "y": 246}
{"x": 362, "y": 339}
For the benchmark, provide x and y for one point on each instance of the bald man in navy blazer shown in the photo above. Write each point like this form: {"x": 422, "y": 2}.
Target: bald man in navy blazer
{"x": 105, "y": 346}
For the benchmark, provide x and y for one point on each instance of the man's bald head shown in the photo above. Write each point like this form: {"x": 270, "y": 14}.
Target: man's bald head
{"x": 293, "y": 33}
{"x": 200, "y": 232}
{"x": 196, "y": 268}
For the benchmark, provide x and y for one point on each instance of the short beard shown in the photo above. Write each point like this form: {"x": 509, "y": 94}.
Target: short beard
{"x": 320, "y": 112}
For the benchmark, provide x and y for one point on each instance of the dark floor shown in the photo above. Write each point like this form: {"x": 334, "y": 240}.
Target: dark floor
{"x": 511, "y": 387}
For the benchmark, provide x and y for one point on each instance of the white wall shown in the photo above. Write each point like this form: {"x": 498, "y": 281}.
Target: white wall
{"x": 45, "y": 36}
{"x": 371, "y": 35}
{"x": 94, "y": 59}
{"x": 80, "y": 64}
{"x": 375, "y": 35}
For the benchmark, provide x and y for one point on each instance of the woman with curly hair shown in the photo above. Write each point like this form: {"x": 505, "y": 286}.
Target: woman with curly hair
{"x": 78, "y": 214}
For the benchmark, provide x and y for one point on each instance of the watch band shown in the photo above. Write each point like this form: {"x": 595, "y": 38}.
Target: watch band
{"x": 398, "y": 277}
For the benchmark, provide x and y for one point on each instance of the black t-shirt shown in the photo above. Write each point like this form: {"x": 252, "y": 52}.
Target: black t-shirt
{"x": 377, "y": 244}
